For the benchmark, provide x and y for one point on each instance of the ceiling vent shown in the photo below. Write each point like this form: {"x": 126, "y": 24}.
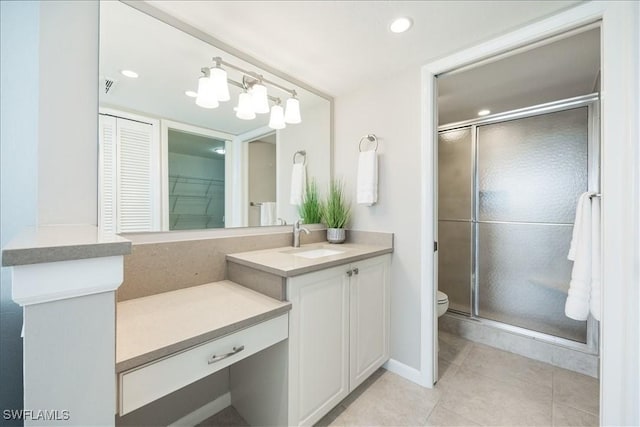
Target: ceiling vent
{"x": 109, "y": 84}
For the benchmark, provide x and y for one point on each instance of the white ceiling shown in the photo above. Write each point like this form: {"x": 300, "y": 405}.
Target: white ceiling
{"x": 168, "y": 62}
{"x": 339, "y": 46}
{"x": 559, "y": 70}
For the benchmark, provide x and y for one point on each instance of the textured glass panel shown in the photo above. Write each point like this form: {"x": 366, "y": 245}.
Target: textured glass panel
{"x": 454, "y": 263}
{"x": 524, "y": 277}
{"x": 533, "y": 169}
{"x": 454, "y": 174}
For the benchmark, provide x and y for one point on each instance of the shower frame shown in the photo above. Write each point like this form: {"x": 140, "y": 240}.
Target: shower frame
{"x": 590, "y": 101}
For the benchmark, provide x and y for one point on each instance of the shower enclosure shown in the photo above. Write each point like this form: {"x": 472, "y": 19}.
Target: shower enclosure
{"x": 507, "y": 193}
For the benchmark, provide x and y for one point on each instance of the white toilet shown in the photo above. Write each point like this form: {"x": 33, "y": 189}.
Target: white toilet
{"x": 443, "y": 303}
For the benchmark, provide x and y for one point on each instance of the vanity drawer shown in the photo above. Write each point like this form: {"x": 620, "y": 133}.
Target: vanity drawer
{"x": 146, "y": 383}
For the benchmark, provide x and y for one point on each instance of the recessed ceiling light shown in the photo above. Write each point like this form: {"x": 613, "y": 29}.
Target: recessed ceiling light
{"x": 191, "y": 94}
{"x": 130, "y": 74}
{"x": 400, "y": 25}
{"x": 219, "y": 150}
{"x": 484, "y": 113}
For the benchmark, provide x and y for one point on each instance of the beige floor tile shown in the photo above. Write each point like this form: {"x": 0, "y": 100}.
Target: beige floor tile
{"x": 446, "y": 371}
{"x": 576, "y": 390}
{"x": 453, "y": 348}
{"x": 390, "y": 400}
{"x": 566, "y": 416}
{"x": 330, "y": 418}
{"x": 445, "y": 418}
{"x": 228, "y": 417}
{"x": 491, "y": 402}
{"x": 508, "y": 367}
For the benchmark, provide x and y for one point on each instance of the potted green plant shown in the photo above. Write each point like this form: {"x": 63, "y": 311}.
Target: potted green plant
{"x": 310, "y": 210}
{"x": 336, "y": 212}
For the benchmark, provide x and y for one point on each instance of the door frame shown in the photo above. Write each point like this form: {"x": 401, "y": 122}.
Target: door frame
{"x": 620, "y": 165}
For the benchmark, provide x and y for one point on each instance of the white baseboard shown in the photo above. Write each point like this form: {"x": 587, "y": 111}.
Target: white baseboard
{"x": 204, "y": 412}
{"x": 406, "y": 371}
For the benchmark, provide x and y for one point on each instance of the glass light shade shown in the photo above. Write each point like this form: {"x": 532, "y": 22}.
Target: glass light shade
{"x": 244, "y": 110}
{"x": 259, "y": 97}
{"x": 276, "y": 121}
{"x": 206, "y": 94}
{"x": 220, "y": 85}
{"x": 292, "y": 113}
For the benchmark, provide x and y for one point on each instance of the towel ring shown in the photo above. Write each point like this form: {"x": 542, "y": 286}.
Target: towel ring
{"x": 371, "y": 137}
{"x": 303, "y": 153}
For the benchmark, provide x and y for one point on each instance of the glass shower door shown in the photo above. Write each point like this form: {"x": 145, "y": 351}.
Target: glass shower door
{"x": 455, "y": 209}
{"x": 530, "y": 174}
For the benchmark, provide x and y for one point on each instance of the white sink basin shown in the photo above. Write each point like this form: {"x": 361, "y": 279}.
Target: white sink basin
{"x": 317, "y": 253}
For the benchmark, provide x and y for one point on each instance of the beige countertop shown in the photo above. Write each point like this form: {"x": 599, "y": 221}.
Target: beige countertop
{"x": 53, "y": 243}
{"x": 284, "y": 261}
{"x": 152, "y": 327}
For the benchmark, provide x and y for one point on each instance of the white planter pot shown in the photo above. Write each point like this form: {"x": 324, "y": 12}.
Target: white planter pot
{"x": 336, "y": 235}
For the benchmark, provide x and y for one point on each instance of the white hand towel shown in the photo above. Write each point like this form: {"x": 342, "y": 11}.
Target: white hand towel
{"x": 596, "y": 283}
{"x": 298, "y": 183}
{"x": 367, "y": 186}
{"x": 577, "y": 305}
{"x": 268, "y": 213}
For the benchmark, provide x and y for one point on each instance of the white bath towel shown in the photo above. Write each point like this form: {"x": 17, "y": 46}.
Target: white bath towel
{"x": 596, "y": 280}
{"x": 577, "y": 305}
{"x": 268, "y": 213}
{"x": 367, "y": 186}
{"x": 298, "y": 183}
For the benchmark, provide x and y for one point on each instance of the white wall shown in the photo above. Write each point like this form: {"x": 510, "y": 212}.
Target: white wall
{"x": 68, "y": 127}
{"x": 391, "y": 110}
{"x": 19, "y": 38}
{"x": 48, "y": 138}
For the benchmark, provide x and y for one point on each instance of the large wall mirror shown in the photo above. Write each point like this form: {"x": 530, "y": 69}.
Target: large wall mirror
{"x": 169, "y": 161}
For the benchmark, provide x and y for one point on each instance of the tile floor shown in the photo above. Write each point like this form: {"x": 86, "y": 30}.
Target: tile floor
{"x": 479, "y": 386}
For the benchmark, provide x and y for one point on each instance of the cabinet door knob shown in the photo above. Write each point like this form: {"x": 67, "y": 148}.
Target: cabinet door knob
{"x": 355, "y": 271}
{"x": 350, "y": 273}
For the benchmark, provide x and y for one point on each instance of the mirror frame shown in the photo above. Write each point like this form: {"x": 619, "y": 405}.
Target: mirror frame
{"x": 206, "y": 38}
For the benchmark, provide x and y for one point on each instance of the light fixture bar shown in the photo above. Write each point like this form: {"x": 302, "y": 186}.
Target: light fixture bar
{"x": 219, "y": 61}
{"x": 242, "y": 86}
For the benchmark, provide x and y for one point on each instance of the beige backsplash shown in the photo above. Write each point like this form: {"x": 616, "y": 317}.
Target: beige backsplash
{"x": 153, "y": 268}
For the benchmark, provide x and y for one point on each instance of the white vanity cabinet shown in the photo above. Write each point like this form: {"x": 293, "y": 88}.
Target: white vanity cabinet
{"x": 338, "y": 334}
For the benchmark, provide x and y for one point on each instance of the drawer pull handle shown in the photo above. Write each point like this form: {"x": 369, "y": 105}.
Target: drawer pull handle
{"x": 355, "y": 271}
{"x": 214, "y": 358}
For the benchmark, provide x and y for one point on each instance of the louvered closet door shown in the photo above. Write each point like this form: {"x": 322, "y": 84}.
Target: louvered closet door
{"x": 107, "y": 176}
{"x": 134, "y": 201}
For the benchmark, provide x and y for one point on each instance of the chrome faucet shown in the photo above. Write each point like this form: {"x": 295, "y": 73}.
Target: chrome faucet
{"x": 296, "y": 233}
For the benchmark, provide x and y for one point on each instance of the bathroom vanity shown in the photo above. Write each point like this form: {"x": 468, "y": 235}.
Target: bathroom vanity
{"x": 339, "y": 319}
{"x": 297, "y": 328}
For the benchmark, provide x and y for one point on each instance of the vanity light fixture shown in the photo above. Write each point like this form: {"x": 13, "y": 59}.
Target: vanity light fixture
{"x": 292, "y": 112}
{"x": 400, "y": 25}
{"x": 484, "y": 113}
{"x": 129, "y": 73}
{"x": 259, "y": 98}
{"x": 219, "y": 81}
{"x": 244, "y": 110}
{"x": 206, "y": 93}
{"x": 191, "y": 94}
{"x": 213, "y": 87}
{"x": 219, "y": 150}
{"x": 276, "y": 120}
